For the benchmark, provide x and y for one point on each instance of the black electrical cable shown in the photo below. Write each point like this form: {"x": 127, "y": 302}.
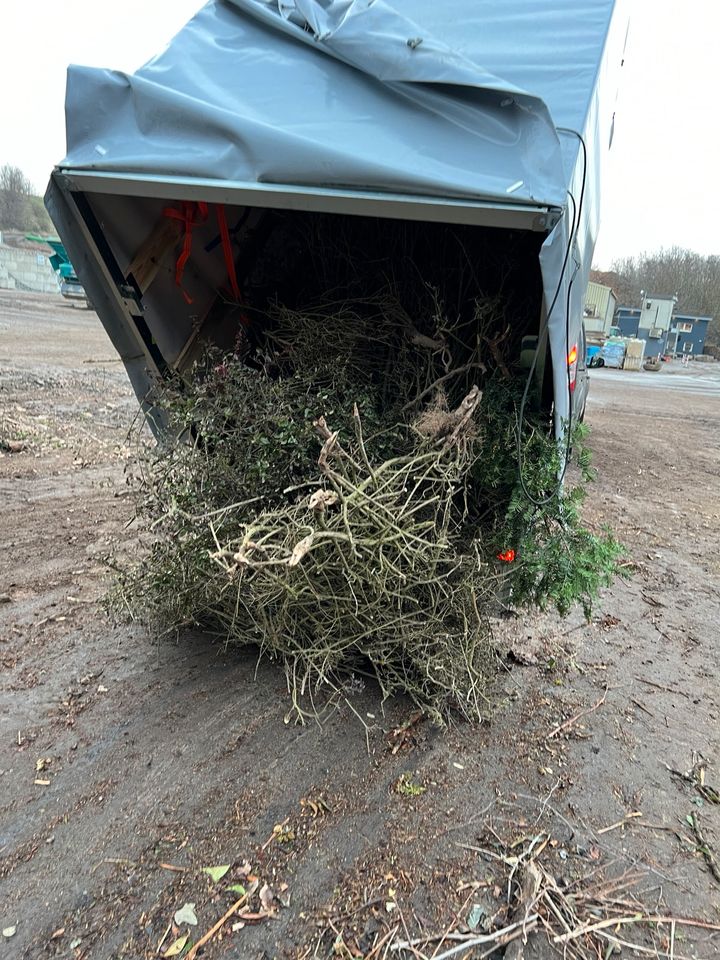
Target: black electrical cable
{"x": 568, "y": 431}
{"x": 574, "y": 227}
{"x": 531, "y": 373}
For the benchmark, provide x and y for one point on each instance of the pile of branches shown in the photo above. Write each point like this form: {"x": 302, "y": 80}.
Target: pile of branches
{"x": 368, "y": 568}
{"x": 537, "y": 886}
{"x": 336, "y": 492}
{"x": 538, "y": 907}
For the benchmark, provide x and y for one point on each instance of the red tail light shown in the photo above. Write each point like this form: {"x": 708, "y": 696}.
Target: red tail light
{"x": 572, "y": 362}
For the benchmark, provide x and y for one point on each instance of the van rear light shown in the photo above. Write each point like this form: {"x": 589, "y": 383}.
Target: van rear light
{"x": 572, "y": 362}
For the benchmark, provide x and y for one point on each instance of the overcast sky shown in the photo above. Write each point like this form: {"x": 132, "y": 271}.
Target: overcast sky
{"x": 662, "y": 183}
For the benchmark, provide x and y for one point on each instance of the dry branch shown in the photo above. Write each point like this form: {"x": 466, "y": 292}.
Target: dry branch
{"x": 578, "y": 716}
{"x": 705, "y": 848}
{"x": 192, "y": 953}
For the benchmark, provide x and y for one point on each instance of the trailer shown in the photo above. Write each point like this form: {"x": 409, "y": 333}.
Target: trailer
{"x": 476, "y": 130}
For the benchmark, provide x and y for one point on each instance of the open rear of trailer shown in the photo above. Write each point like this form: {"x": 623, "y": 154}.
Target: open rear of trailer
{"x": 426, "y": 133}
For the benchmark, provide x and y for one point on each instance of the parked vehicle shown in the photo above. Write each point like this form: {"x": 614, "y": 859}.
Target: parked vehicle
{"x": 480, "y": 136}
{"x": 70, "y": 286}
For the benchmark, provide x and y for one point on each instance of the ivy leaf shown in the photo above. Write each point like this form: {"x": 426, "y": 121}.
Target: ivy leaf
{"x": 216, "y": 873}
{"x": 177, "y": 946}
{"x": 186, "y": 914}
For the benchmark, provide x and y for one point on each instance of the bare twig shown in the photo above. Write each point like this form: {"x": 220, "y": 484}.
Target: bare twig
{"x": 583, "y": 713}
{"x": 705, "y": 848}
{"x": 706, "y": 791}
{"x": 192, "y": 953}
{"x": 641, "y": 707}
{"x": 526, "y": 903}
{"x": 660, "y": 686}
{"x": 620, "y": 823}
{"x": 457, "y": 372}
{"x": 474, "y": 940}
{"x": 584, "y": 929}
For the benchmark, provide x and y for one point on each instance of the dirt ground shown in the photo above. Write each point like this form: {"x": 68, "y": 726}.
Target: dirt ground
{"x": 126, "y": 766}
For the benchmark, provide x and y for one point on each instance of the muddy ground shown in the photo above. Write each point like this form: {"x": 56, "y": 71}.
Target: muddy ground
{"x": 126, "y": 766}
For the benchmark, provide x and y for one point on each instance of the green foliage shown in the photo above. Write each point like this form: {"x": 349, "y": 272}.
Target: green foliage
{"x": 406, "y": 786}
{"x": 558, "y": 561}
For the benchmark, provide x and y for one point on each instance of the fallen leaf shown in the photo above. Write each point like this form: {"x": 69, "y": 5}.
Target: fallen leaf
{"x": 177, "y": 946}
{"x": 9, "y": 932}
{"x": 245, "y": 870}
{"x": 475, "y": 916}
{"x": 58, "y": 933}
{"x": 300, "y": 549}
{"x": 238, "y": 888}
{"x": 216, "y": 873}
{"x": 322, "y": 499}
{"x": 74, "y": 944}
{"x": 186, "y": 914}
{"x": 266, "y": 897}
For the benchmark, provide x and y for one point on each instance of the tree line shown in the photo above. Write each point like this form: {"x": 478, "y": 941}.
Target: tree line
{"x": 676, "y": 271}
{"x": 20, "y": 208}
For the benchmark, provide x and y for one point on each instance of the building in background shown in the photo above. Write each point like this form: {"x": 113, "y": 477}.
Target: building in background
{"x": 687, "y": 335}
{"x": 600, "y": 304}
{"x": 663, "y": 331}
{"x": 656, "y": 314}
{"x": 650, "y": 322}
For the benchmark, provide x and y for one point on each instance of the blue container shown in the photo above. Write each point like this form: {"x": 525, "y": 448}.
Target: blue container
{"x": 613, "y": 353}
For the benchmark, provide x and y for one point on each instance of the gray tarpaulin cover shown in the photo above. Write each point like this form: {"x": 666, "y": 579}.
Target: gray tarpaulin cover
{"x": 445, "y": 98}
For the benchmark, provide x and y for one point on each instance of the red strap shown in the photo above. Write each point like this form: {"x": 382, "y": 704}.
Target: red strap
{"x": 229, "y": 261}
{"x": 227, "y": 250}
{"x": 185, "y": 215}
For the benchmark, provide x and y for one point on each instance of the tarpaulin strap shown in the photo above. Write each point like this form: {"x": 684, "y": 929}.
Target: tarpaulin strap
{"x": 186, "y": 216}
{"x": 229, "y": 261}
{"x": 227, "y": 250}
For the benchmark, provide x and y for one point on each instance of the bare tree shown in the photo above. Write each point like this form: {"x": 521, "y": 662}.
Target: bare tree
{"x": 676, "y": 271}
{"x": 15, "y": 193}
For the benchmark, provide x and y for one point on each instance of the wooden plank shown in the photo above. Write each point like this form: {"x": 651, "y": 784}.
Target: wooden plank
{"x": 146, "y": 263}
